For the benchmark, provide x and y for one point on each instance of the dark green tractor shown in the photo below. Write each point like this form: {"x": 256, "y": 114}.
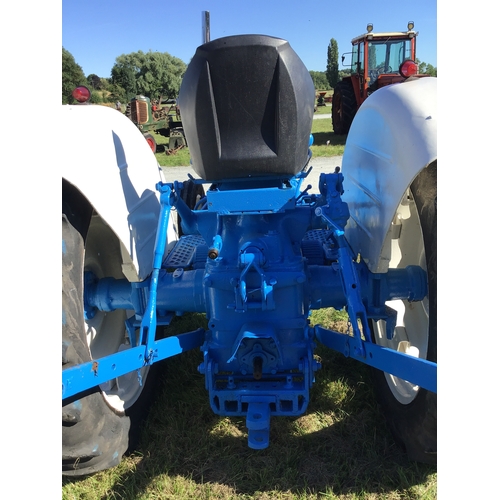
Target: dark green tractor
{"x": 153, "y": 117}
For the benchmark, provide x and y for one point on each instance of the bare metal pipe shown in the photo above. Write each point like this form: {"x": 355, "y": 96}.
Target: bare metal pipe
{"x": 205, "y": 20}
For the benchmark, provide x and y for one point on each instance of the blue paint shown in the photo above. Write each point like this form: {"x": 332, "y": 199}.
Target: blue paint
{"x": 261, "y": 256}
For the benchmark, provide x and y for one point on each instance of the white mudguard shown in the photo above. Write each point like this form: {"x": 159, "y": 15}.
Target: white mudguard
{"x": 392, "y": 138}
{"x": 107, "y": 158}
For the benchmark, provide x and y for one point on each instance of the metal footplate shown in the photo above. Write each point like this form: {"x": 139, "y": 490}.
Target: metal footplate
{"x": 185, "y": 251}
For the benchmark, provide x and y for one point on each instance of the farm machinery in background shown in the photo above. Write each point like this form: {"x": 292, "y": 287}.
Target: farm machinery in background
{"x": 258, "y": 251}
{"x": 377, "y": 60}
{"x": 151, "y": 117}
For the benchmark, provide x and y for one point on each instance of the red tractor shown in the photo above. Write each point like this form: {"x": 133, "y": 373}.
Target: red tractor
{"x": 377, "y": 60}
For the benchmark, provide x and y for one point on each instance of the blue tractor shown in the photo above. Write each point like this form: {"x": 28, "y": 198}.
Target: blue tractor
{"x": 246, "y": 242}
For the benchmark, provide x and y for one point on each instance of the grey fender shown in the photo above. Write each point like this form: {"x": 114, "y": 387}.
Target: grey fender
{"x": 105, "y": 157}
{"x": 393, "y": 137}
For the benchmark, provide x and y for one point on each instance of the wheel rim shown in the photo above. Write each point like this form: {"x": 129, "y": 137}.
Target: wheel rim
{"x": 106, "y": 332}
{"x": 411, "y": 335}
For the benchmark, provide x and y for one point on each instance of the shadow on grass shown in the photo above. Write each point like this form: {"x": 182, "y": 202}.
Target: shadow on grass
{"x": 340, "y": 446}
{"x": 321, "y": 138}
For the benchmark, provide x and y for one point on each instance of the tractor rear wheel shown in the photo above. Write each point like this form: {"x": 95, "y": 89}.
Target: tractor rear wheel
{"x": 343, "y": 107}
{"x": 151, "y": 142}
{"x": 100, "y": 425}
{"x": 411, "y": 411}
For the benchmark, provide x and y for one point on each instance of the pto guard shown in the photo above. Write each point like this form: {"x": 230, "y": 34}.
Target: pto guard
{"x": 392, "y": 138}
{"x": 107, "y": 159}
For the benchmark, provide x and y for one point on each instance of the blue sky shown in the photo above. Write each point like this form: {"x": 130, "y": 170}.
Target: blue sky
{"x": 98, "y": 31}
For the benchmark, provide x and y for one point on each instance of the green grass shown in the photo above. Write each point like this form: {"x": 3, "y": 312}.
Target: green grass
{"x": 339, "y": 449}
{"x": 321, "y": 129}
{"x": 326, "y": 143}
{"x": 178, "y": 159}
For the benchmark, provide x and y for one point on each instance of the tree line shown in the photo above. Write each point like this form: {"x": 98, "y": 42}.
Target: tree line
{"x": 152, "y": 74}
{"x": 155, "y": 74}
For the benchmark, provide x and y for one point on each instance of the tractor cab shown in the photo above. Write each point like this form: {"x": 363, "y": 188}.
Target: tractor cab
{"x": 377, "y": 57}
{"x": 377, "y": 60}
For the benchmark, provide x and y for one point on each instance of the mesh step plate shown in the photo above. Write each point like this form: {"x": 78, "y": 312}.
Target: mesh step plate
{"x": 183, "y": 252}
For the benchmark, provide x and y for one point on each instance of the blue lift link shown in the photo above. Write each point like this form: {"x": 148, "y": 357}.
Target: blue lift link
{"x": 88, "y": 375}
{"x": 148, "y": 323}
{"x": 415, "y": 370}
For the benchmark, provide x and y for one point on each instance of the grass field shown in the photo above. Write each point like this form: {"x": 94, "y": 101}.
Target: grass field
{"x": 321, "y": 130}
{"x": 339, "y": 449}
{"x": 326, "y": 143}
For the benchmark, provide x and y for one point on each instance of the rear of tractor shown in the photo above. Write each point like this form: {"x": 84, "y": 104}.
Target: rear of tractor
{"x": 377, "y": 60}
{"x": 152, "y": 118}
{"x": 258, "y": 253}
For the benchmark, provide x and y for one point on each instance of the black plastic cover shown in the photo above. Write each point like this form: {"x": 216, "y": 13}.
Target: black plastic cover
{"x": 247, "y": 104}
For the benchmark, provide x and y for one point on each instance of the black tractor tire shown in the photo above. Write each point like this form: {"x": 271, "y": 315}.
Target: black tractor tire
{"x": 191, "y": 194}
{"x": 94, "y": 435}
{"x": 413, "y": 421}
{"x": 151, "y": 142}
{"x": 344, "y": 107}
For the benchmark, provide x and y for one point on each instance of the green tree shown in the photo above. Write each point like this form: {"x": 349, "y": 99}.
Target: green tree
{"x": 345, "y": 73}
{"x": 151, "y": 74}
{"x": 426, "y": 69}
{"x": 319, "y": 79}
{"x": 332, "y": 63}
{"x": 123, "y": 77}
{"x": 94, "y": 82}
{"x": 117, "y": 93}
{"x": 95, "y": 98}
{"x": 72, "y": 76}
{"x": 105, "y": 83}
